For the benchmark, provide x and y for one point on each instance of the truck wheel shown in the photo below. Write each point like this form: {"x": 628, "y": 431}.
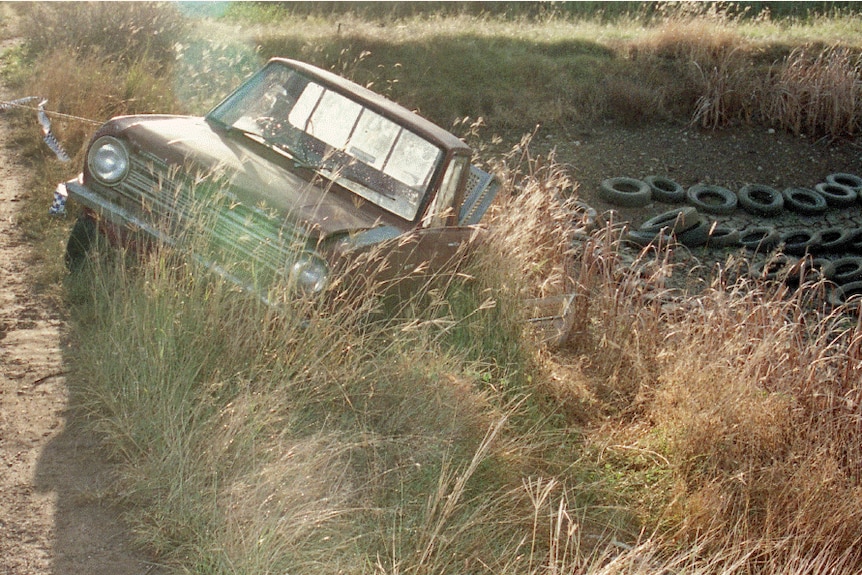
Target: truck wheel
{"x": 81, "y": 239}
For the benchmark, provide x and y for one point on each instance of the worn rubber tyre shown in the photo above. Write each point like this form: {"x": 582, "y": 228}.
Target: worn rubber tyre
{"x": 712, "y": 199}
{"x": 642, "y": 239}
{"x": 672, "y": 222}
{"x": 665, "y": 190}
{"x": 832, "y": 240}
{"x": 777, "y": 267}
{"x": 761, "y": 200}
{"x": 627, "y": 192}
{"x": 695, "y": 236}
{"x": 804, "y": 201}
{"x": 824, "y": 267}
{"x": 849, "y": 295}
{"x": 847, "y": 269}
{"x": 854, "y": 242}
{"x": 720, "y": 236}
{"x": 812, "y": 270}
{"x": 849, "y": 180}
{"x": 836, "y": 195}
{"x": 800, "y": 242}
{"x": 760, "y": 239}
{"x": 81, "y": 239}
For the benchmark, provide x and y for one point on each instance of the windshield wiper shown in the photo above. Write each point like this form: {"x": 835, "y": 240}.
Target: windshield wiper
{"x": 299, "y": 160}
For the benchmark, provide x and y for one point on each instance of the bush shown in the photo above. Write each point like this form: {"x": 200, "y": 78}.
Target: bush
{"x": 817, "y": 94}
{"x": 119, "y": 31}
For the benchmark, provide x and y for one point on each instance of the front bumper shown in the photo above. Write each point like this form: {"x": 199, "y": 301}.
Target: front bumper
{"x": 118, "y": 223}
{"x": 111, "y": 214}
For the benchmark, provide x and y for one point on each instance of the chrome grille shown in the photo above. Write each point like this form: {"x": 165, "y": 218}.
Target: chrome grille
{"x": 201, "y": 213}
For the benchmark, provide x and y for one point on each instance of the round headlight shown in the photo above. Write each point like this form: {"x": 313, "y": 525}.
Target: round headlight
{"x": 309, "y": 274}
{"x": 108, "y": 160}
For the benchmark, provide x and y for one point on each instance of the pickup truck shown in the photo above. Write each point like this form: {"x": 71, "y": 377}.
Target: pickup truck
{"x": 284, "y": 185}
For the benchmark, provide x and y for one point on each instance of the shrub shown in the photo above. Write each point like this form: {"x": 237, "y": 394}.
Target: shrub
{"x": 120, "y": 31}
{"x": 817, "y": 93}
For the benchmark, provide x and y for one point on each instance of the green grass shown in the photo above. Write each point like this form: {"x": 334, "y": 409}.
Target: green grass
{"x": 436, "y": 435}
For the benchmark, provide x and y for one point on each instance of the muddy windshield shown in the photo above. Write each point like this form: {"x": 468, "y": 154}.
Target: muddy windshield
{"x": 363, "y": 151}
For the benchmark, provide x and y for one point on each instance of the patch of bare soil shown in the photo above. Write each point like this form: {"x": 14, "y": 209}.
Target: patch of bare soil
{"x": 52, "y": 518}
{"x": 731, "y": 158}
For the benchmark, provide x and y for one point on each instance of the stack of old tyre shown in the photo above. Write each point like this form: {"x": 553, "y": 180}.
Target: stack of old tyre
{"x": 793, "y": 254}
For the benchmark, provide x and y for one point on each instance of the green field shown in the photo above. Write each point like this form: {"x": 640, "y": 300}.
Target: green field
{"x": 440, "y": 436}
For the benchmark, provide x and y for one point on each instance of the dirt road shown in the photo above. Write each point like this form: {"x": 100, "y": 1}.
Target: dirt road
{"x": 52, "y": 520}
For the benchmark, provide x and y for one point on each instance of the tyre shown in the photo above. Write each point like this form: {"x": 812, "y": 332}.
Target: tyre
{"x": 832, "y": 240}
{"x": 849, "y": 180}
{"x": 825, "y": 268}
{"x": 836, "y": 195}
{"x": 847, "y": 269}
{"x": 665, "y": 190}
{"x": 81, "y": 240}
{"x": 695, "y": 236}
{"x": 712, "y": 199}
{"x": 815, "y": 269}
{"x": 627, "y": 192}
{"x": 672, "y": 222}
{"x": 800, "y": 242}
{"x": 642, "y": 239}
{"x": 849, "y": 295}
{"x": 761, "y": 200}
{"x": 804, "y": 201}
{"x": 778, "y": 267}
{"x": 760, "y": 239}
{"x": 722, "y": 236}
{"x": 854, "y": 242}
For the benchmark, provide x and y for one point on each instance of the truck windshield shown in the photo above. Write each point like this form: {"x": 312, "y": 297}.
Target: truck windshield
{"x": 343, "y": 140}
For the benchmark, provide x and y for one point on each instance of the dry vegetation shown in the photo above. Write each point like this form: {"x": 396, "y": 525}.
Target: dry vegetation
{"x": 716, "y": 432}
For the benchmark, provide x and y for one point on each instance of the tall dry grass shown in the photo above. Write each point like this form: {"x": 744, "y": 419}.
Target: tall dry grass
{"x": 428, "y": 439}
{"x": 734, "y": 413}
{"x": 723, "y": 77}
{"x": 325, "y": 431}
{"x": 817, "y": 92}
{"x": 115, "y": 31}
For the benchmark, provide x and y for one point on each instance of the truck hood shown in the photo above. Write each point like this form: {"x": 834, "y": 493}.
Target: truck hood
{"x": 257, "y": 175}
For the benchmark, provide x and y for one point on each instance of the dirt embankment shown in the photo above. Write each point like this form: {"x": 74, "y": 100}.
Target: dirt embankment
{"x": 52, "y": 520}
